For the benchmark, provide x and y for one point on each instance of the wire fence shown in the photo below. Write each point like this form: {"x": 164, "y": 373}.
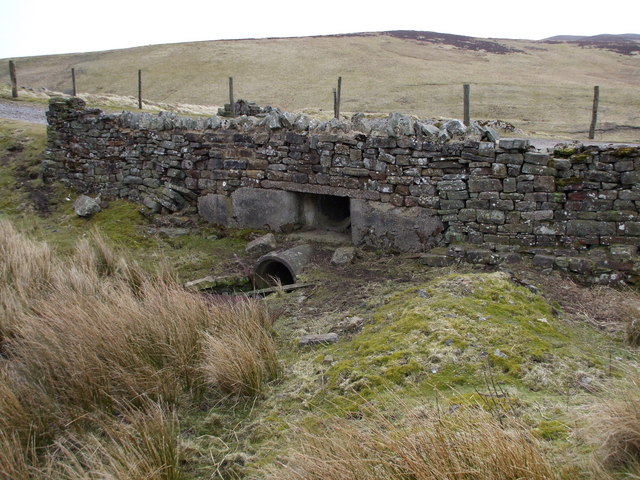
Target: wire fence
{"x": 537, "y": 109}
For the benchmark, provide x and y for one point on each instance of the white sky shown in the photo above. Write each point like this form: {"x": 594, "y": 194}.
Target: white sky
{"x": 43, "y": 27}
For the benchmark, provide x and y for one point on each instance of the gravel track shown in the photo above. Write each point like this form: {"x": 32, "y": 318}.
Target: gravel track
{"x": 24, "y": 112}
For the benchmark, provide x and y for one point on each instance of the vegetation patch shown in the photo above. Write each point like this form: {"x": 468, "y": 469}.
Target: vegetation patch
{"x": 463, "y": 332}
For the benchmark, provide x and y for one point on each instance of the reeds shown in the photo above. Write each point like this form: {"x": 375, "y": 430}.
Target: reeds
{"x": 613, "y": 426}
{"x": 141, "y": 445}
{"x": 468, "y": 445}
{"x": 94, "y": 336}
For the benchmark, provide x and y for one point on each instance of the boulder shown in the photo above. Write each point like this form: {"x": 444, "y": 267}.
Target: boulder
{"x": 343, "y": 256}
{"x": 319, "y": 339}
{"x": 455, "y": 127}
{"x": 85, "y": 206}
{"x": 262, "y": 245}
{"x": 400, "y": 125}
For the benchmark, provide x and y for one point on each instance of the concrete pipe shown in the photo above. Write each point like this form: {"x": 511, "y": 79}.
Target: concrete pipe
{"x": 281, "y": 267}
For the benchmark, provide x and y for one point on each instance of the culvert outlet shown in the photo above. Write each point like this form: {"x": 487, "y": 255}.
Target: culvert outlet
{"x": 281, "y": 267}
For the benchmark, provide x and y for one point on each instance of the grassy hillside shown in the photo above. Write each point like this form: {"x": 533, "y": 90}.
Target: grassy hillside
{"x": 110, "y": 369}
{"x": 542, "y": 87}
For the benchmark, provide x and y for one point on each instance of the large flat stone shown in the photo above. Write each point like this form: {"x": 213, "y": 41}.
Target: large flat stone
{"x": 214, "y": 209}
{"x": 274, "y": 210}
{"x": 381, "y": 225}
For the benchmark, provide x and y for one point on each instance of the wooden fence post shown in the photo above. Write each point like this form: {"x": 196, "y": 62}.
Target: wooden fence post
{"x": 594, "y": 113}
{"x": 232, "y": 104}
{"x": 335, "y": 103}
{"x": 14, "y": 79}
{"x": 467, "y": 104}
{"x": 140, "y": 89}
{"x": 338, "y": 98}
{"x": 74, "y": 92}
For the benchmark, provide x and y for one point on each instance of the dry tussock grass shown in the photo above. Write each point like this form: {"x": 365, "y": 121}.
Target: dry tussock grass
{"x": 140, "y": 445}
{"x": 613, "y": 428}
{"x": 94, "y": 335}
{"x": 26, "y": 269}
{"x": 607, "y": 308}
{"x": 240, "y": 352}
{"x": 470, "y": 445}
{"x": 15, "y": 460}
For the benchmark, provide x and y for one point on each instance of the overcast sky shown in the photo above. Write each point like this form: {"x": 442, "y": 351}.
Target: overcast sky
{"x": 43, "y": 27}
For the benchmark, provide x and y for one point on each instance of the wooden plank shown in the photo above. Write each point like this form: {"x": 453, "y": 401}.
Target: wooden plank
{"x": 281, "y": 288}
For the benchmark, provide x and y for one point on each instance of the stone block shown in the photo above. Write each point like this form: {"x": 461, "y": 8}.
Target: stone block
{"x": 632, "y": 228}
{"x": 85, "y": 206}
{"x": 510, "y": 158}
{"x": 630, "y": 178}
{"x": 214, "y": 209}
{"x": 382, "y": 225}
{"x": 275, "y": 210}
{"x": 519, "y": 144}
{"x": 543, "y": 261}
{"x": 261, "y": 245}
{"x": 436, "y": 260}
{"x": 343, "y": 256}
{"x": 590, "y": 228}
{"x": 538, "y": 215}
{"x": 480, "y": 184}
{"x": 544, "y": 183}
{"x": 448, "y": 185}
{"x": 536, "y": 158}
{"x": 318, "y": 339}
{"x": 493, "y": 217}
{"x": 499, "y": 170}
{"x": 481, "y": 256}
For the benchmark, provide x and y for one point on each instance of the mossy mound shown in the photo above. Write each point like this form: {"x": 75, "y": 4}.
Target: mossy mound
{"x": 462, "y": 333}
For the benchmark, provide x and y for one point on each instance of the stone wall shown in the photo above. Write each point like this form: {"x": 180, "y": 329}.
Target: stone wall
{"x": 411, "y": 187}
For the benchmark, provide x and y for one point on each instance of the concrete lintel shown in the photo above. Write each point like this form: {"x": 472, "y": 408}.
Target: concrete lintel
{"x": 320, "y": 189}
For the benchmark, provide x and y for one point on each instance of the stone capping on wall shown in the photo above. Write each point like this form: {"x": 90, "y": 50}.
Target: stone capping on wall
{"x": 503, "y": 198}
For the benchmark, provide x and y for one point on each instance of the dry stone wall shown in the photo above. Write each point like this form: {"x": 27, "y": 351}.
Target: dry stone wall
{"x": 574, "y": 209}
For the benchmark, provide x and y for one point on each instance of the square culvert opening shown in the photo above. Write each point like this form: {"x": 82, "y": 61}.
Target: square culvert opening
{"x": 327, "y": 212}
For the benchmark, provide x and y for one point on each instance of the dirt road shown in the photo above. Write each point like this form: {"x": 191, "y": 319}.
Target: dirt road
{"x": 25, "y": 112}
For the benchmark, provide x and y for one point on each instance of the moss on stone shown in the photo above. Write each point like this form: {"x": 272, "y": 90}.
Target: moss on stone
{"x": 566, "y": 151}
{"x": 623, "y": 152}
{"x": 565, "y": 182}
{"x": 581, "y": 158}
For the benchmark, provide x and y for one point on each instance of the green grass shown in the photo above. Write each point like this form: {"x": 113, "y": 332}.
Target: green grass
{"x": 458, "y": 333}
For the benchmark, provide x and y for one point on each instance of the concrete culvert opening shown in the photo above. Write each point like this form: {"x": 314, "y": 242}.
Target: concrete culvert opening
{"x": 281, "y": 267}
{"x": 272, "y": 272}
{"x": 327, "y": 212}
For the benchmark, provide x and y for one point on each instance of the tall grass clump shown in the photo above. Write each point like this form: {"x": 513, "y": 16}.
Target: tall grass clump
{"x": 613, "y": 427}
{"x": 26, "y": 269}
{"x": 240, "y": 355}
{"x": 461, "y": 446}
{"x": 93, "y": 336}
{"x": 15, "y": 460}
{"x": 142, "y": 444}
